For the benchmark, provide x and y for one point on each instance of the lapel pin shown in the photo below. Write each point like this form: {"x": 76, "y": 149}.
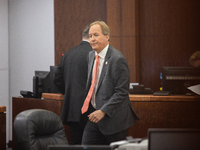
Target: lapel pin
{"x": 106, "y": 63}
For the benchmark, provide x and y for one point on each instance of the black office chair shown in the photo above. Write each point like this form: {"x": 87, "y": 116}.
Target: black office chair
{"x": 35, "y": 129}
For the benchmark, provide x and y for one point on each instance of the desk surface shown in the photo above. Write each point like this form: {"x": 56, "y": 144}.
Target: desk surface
{"x": 135, "y": 98}
{"x": 54, "y": 96}
{"x": 182, "y": 98}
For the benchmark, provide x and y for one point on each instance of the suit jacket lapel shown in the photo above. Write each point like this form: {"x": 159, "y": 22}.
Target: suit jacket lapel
{"x": 90, "y": 68}
{"x": 105, "y": 67}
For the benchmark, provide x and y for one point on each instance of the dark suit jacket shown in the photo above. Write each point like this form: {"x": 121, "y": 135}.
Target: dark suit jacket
{"x": 70, "y": 78}
{"x": 112, "y": 95}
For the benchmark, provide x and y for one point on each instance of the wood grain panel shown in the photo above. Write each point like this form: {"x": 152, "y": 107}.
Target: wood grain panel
{"x": 122, "y": 18}
{"x": 116, "y": 42}
{"x": 71, "y": 16}
{"x": 164, "y": 115}
{"x": 129, "y": 17}
{"x": 169, "y": 33}
{"x": 150, "y": 34}
{"x": 131, "y": 54}
{"x": 114, "y": 18}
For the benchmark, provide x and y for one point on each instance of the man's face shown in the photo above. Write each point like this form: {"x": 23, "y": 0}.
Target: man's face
{"x": 98, "y": 41}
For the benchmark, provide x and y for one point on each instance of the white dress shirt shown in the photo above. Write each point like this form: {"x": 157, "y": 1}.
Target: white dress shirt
{"x": 102, "y": 56}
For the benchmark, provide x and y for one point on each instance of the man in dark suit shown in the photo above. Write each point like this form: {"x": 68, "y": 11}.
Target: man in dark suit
{"x": 70, "y": 78}
{"x": 110, "y": 110}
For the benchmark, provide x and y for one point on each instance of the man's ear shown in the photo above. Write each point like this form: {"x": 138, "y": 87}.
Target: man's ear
{"x": 108, "y": 37}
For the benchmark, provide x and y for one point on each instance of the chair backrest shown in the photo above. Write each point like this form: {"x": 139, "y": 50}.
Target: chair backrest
{"x": 35, "y": 129}
{"x": 173, "y": 139}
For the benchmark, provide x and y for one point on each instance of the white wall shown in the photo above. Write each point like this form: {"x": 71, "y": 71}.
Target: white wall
{"x": 31, "y": 44}
{"x": 4, "y": 65}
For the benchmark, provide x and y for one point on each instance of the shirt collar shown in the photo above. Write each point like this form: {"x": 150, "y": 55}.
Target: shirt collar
{"x": 102, "y": 54}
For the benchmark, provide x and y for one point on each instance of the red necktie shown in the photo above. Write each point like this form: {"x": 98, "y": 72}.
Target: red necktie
{"x": 88, "y": 98}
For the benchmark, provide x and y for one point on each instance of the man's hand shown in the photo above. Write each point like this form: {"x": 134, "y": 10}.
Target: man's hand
{"x": 96, "y": 116}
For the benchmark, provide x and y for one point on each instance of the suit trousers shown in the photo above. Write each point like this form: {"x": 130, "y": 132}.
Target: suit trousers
{"x": 93, "y": 136}
{"x": 76, "y": 130}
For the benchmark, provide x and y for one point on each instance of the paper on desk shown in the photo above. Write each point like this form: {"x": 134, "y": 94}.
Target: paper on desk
{"x": 195, "y": 89}
{"x": 131, "y": 85}
{"x": 119, "y": 143}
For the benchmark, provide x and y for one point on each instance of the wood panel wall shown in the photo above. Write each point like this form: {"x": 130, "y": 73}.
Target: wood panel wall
{"x": 150, "y": 34}
{"x": 122, "y": 18}
{"x": 71, "y": 17}
{"x": 169, "y": 34}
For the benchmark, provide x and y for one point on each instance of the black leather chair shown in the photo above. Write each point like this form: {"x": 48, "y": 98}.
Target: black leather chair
{"x": 35, "y": 129}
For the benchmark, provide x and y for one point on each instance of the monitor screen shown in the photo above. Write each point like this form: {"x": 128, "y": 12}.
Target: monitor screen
{"x": 41, "y": 83}
{"x": 177, "y": 79}
{"x": 173, "y": 139}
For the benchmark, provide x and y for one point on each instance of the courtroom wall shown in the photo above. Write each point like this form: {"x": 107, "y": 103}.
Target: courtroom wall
{"x": 31, "y": 45}
{"x": 150, "y": 34}
{"x": 4, "y": 65}
{"x": 169, "y": 34}
{"x": 71, "y": 17}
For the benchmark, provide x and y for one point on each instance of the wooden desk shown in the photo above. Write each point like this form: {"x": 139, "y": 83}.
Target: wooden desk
{"x": 164, "y": 112}
{"x": 153, "y": 111}
{"x": 2, "y": 127}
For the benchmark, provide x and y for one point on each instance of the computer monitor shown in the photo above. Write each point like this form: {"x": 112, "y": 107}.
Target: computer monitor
{"x": 173, "y": 139}
{"x": 80, "y": 147}
{"x": 177, "y": 79}
{"x": 41, "y": 83}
